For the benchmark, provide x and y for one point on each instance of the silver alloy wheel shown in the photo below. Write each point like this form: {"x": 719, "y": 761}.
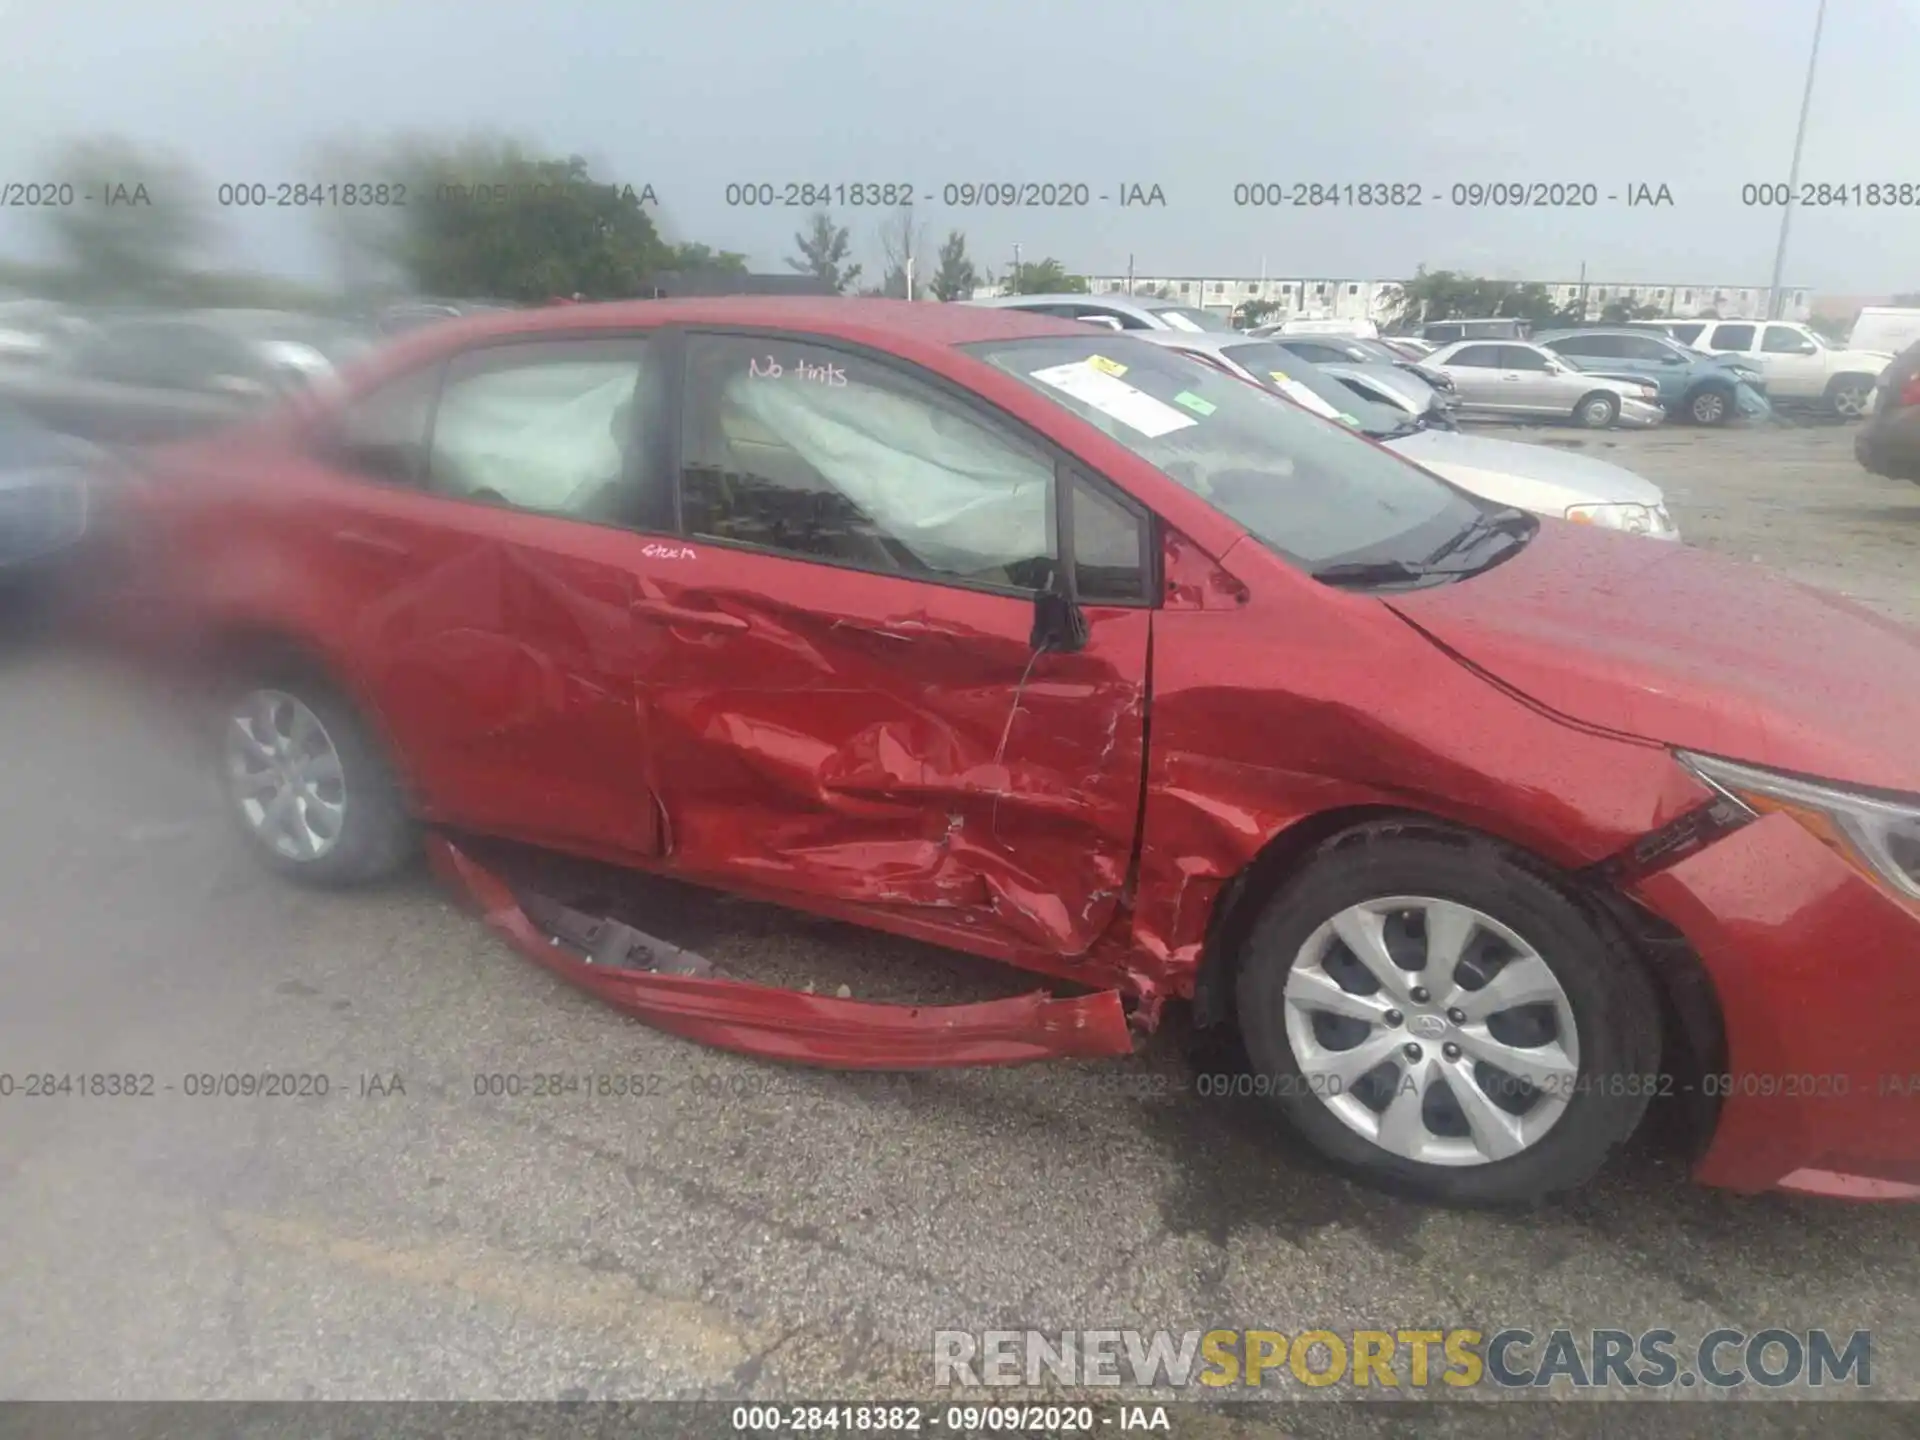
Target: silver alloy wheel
{"x": 1598, "y": 413}
{"x": 1709, "y": 406}
{"x": 285, "y": 774}
{"x": 1851, "y": 400}
{"x": 1432, "y": 1030}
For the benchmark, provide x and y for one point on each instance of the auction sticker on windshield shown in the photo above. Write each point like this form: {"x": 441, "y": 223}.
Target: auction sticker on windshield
{"x": 1116, "y": 399}
{"x": 1106, "y": 366}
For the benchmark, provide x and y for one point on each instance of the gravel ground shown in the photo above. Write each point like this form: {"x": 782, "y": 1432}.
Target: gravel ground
{"x": 735, "y": 1230}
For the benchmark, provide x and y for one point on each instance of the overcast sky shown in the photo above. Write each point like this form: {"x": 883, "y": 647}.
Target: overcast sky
{"x": 1699, "y": 95}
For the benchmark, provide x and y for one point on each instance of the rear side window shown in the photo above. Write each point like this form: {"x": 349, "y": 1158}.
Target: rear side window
{"x": 1584, "y": 345}
{"x": 559, "y": 428}
{"x": 1520, "y": 357}
{"x": 1479, "y": 357}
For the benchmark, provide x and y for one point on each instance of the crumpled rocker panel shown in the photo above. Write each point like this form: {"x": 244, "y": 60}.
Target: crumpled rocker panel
{"x": 794, "y": 1026}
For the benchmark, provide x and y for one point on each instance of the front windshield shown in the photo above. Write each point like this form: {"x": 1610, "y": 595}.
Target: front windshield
{"x": 1295, "y": 379}
{"x": 1309, "y": 489}
{"x": 1188, "y": 317}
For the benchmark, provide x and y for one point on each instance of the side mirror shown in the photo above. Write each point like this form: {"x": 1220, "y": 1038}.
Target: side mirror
{"x": 1058, "y": 624}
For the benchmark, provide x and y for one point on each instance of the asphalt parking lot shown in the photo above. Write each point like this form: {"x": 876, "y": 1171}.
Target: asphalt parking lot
{"x": 735, "y": 1230}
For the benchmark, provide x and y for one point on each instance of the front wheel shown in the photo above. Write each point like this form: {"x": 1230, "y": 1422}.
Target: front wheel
{"x": 1710, "y": 406}
{"x": 308, "y": 785}
{"x": 1849, "y": 395}
{"x": 1597, "y": 411}
{"x": 1432, "y": 1012}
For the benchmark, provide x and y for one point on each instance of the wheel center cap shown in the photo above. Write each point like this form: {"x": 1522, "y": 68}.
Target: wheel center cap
{"x": 1427, "y": 1027}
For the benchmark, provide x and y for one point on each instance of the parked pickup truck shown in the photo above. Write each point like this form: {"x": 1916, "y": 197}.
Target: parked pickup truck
{"x": 1800, "y": 368}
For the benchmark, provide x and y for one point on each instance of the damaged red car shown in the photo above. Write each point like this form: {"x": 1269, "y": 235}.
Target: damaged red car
{"x": 1054, "y": 647}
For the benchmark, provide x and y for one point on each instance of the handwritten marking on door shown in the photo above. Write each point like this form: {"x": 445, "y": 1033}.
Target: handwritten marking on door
{"x": 668, "y": 552}
{"x": 772, "y": 369}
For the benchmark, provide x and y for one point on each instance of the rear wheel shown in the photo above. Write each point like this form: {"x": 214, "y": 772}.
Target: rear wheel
{"x": 1435, "y": 1013}
{"x": 1848, "y": 395}
{"x": 1598, "y": 410}
{"x": 308, "y": 786}
{"x": 1710, "y": 406}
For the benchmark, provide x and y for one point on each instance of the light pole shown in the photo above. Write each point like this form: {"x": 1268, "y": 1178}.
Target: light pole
{"x": 1793, "y": 171}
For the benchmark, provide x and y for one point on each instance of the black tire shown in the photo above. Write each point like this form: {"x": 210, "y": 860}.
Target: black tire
{"x": 1597, "y": 411}
{"x": 1710, "y": 405}
{"x": 1615, "y": 1012}
{"x": 377, "y": 837}
{"x": 1847, "y": 395}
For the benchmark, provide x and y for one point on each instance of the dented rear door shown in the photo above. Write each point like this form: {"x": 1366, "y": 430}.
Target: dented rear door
{"x": 842, "y": 697}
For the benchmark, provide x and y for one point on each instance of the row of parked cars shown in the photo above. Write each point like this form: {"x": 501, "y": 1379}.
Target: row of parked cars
{"x": 1412, "y": 400}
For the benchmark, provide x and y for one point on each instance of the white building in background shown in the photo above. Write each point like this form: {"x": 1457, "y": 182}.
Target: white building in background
{"x": 1376, "y": 300}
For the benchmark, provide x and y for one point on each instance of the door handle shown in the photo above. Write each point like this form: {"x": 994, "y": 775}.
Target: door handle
{"x": 895, "y": 630}
{"x": 679, "y": 615}
{"x": 379, "y": 544}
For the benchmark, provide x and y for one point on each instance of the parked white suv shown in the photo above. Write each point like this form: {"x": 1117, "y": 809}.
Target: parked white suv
{"x": 1800, "y": 367}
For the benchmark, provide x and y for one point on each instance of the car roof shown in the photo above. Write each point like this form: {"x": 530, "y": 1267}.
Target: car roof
{"x": 879, "y": 322}
{"x": 1118, "y": 301}
{"x": 1592, "y": 330}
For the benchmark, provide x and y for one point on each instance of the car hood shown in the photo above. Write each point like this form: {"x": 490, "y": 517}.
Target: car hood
{"x": 1676, "y": 645}
{"x": 1534, "y": 477}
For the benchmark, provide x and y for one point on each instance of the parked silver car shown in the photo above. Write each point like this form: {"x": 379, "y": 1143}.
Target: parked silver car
{"x": 1518, "y": 380}
{"x": 1540, "y": 478}
{"x": 1119, "y": 312}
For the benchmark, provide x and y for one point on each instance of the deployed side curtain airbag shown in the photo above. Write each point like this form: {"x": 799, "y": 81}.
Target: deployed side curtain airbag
{"x": 957, "y": 498}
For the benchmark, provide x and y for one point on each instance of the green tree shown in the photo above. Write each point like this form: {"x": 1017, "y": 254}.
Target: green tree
{"x": 485, "y": 218}
{"x": 824, "y": 247}
{"x": 1449, "y": 295}
{"x": 955, "y": 278}
{"x": 143, "y": 228}
{"x": 703, "y": 258}
{"x": 1618, "y": 311}
{"x": 1255, "y": 312}
{"x": 1047, "y": 277}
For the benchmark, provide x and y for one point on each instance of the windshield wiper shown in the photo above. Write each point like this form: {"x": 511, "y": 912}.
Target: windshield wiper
{"x": 1508, "y": 521}
{"x": 1375, "y": 572}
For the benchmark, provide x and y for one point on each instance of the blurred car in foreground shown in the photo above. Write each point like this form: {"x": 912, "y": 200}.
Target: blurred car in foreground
{"x": 1512, "y": 379}
{"x": 1062, "y": 649}
{"x": 1889, "y": 443}
{"x": 1538, "y": 478}
{"x": 1706, "y": 389}
{"x": 37, "y": 332}
{"x": 46, "y": 481}
{"x": 146, "y": 378}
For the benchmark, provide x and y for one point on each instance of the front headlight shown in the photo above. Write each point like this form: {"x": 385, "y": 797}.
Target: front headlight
{"x": 1878, "y": 836}
{"x": 1617, "y": 515}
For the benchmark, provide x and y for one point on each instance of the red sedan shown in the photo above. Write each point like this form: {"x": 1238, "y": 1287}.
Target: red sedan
{"x": 1041, "y": 643}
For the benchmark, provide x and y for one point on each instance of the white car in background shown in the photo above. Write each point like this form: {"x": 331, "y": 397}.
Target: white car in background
{"x": 1539, "y": 478}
